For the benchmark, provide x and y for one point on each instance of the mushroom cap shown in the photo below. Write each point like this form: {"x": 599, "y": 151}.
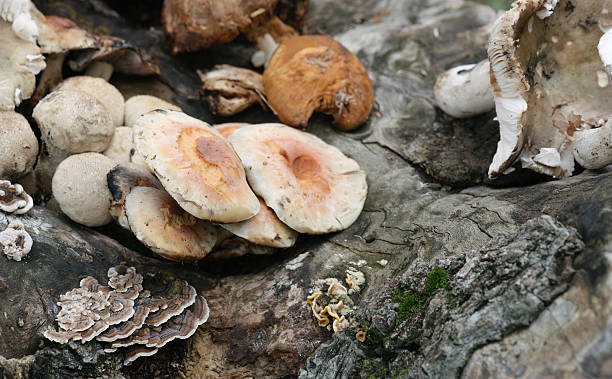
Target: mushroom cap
{"x": 316, "y": 73}
{"x": 79, "y": 186}
{"x": 548, "y": 86}
{"x": 102, "y": 90}
{"x": 58, "y": 35}
{"x": 164, "y": 227}
{"x": 229, "y": 127}
{"x": 15, "y": 242}
{"x": 196, "y": 165}
{"x": 230, "y": 90}
{"x": 138, "y": 105}
{"x": 593, "y": 147}
{"x": 13, "y": 199}
{"x": 74, "y": 122}
{"x": 19, "y": 146}
{"x": 264, "y": 229}
{"x": 121, "y": 146}
{"x": 312, "y": 186}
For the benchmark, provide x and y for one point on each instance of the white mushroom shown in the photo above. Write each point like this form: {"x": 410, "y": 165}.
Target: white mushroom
{"x": 80, "y": 187}
{"x": 138, "y": 105}
{"x": 15, "y": 242}
{"x": 593, "y": 147}
{"x": 19, "y": 146}
{"x": 122, "y": 145}
{"x": 465, "y": 91}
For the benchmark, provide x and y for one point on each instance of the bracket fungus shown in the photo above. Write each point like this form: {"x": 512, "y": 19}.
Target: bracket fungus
{"x": 13, "y": 199}
{"x": 122, "y": 314}
{"x": 230, "y": 90}
{"x": 79, "y": 186}
{"x": 19, "y": 146}
{"x": 320, "y": 75}
{"x": 15, "y": 242}
{"x": 551, "y": 83}
{"x": 311, "y": 186}
{"x": 196, "y": 165}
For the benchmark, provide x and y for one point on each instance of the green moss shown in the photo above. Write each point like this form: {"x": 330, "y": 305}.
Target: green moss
{"x": 411, "y": 302}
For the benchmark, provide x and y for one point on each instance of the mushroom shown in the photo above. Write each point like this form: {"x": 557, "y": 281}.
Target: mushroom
{"x": 121, "y": 146}
{"x": 103, "y": 91}
{"x": 592, "y": 148}
{"x": 229, "y": 127}
{"x": 79, "y": 186}
{"x": 311, "y": 186}
{"x": 74, "y": 122}
{"x": 267, "y": 36}
{"x": 230, "y": 246}
{"x": 465, "y": 91}
{"x": 196, "y": 165}
{"x": 230, "y": 90}
{"x": 19, "y": 146}
{"x": 605, "y": 50}
{"x": 192, "y": 25}
{"x": 121, "y": 179}
{"x": 13, "y": 199}
{"x": 18, "y": 13}
{"x": 20, "y": 62}
{"x": 164, "y": 227}
{"x": 320, "y": 75}
{"x": 15, "y": 242}
{"x": 138, "y": 105}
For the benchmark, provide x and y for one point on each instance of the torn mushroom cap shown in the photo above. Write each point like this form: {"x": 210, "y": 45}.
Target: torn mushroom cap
{"x": 546, "y": 88}
{"x": 74, "y": 122}
{"x": 317, "y": 73}
{"x": 13, "y": 199}
{"x": 79, "y": 186}
{"x": 593, "y": 147}
{"x": 230, "y": 90}
{"x": 15, "y": 242}
{"x": 99, "y": 88}
{"x": 264, "y": 229}
{"x": 312, "y": 186}
{"x": 164, "y": 227}
{"x": 120, "y": 180}
{"x": 138, "y": 105}
{"x": 21, "y": 62}
{"x": 465, "y": 91}
{"x": 196, "y": 165}
{"x": 19, "y": 146}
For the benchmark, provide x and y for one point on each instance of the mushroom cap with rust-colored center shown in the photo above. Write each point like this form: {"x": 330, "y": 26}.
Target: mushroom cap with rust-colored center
{"x": 312, "y": 186}
{"x": 164, "y": 227}
{"x": 316, "y": 73}
{"x": 196, "y": 165}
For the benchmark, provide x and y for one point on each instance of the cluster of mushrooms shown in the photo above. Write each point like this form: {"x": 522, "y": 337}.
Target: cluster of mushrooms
{"x": 15, "y": 242}
{"x": 123, "y": 314}
{"x": 548, "y": 77}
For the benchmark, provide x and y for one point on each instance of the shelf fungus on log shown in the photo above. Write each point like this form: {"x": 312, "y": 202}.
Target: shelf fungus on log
{"x": 112, "y": 315}
{"x": 229, "y": 90}
{"x": 13, "y": 199}
{"x": 552, "y": 90}
{"x": 15, "y": 242}
{"x": 317, "y": 73}
{"x": 311, "y": 186}
{"x": 196, "y": 165}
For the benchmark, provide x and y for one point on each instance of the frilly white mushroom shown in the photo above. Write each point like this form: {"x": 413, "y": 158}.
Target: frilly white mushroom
{"x": 13, "y": 199}
{"x": 18, "y": 12}
{"x": 15, "y": 242}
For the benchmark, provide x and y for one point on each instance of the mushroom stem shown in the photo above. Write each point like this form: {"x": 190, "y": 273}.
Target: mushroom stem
{"x": 100, "y": 69}
{"x": 465, "y": 91}
{"x": 51, "y": 76}
{"x": 592, "y": 147}
{"x": 266, "y": 46}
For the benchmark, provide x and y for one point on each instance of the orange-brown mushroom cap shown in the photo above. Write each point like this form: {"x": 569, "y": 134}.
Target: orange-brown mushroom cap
{"x": 158, "y": 222}
{"x": 317, "y": 73}
{"x": 196, "y": 165}
{"x": 312, "y": 186}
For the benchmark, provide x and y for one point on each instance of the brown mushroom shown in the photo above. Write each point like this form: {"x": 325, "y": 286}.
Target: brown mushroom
{"x": 317, "y": 73}
{"x": 312, "y": 186}
{"x": 196, "y": 165}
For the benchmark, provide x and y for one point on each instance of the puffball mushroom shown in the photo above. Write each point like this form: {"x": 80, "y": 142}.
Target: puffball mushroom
{"x": 121, "y": 146}
{"x": 99, "y": 88}
{"x": 311, "y": 186}
{"x": 465, "y": 91}
{"x": 19, "y": 146}
{"x": 79, "y": 186}
{"x": 138, "y": 105}
{"x": 74, "y": 122}
{"x": 593, "y": 147}
{"x": 196, "y": 165}
{"x": 316, "y": 73}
